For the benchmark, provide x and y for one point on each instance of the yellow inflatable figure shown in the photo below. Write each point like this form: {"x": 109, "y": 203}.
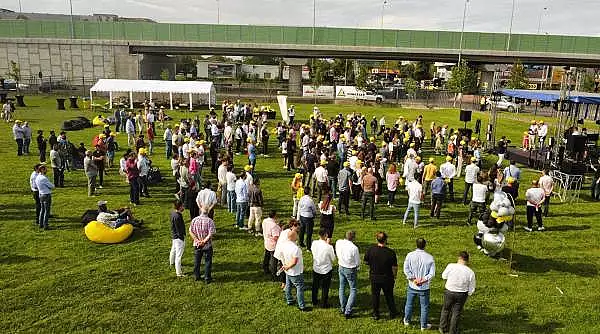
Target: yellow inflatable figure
{"x": 98, "y": 121}
{"x": 102, "y": 234}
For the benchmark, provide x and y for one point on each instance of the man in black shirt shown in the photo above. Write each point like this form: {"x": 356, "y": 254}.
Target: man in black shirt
{"x": 382, "y": 273}
{"x": 178, "y": 236}
{"x": 333, "y": 168}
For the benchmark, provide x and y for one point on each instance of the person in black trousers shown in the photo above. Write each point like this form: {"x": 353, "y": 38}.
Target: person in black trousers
{"x": 41, "y": 143}
{"x": 291, "y": 153}
{"x": 383, "y": 266}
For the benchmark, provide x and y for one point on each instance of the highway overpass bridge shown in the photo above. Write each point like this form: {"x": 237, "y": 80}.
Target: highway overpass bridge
{"x": 138, "y": 49}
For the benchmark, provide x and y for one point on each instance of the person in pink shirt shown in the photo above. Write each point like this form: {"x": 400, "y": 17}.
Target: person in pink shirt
{"x": 547, "y": 183}
{"x": 392, "y": 179}
{"x": 194, "y": 167}
{"x": 271, "y": 232}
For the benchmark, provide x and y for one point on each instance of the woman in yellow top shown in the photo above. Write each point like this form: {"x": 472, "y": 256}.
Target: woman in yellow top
{"x": 297, "y": 192}
{"x": 428, "y": 175}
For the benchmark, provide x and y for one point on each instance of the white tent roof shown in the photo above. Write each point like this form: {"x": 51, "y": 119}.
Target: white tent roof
{"x": 154, "y": 86}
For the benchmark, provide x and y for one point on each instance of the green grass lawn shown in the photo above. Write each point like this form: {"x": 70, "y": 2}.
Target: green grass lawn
{"x": 57, "y": 281}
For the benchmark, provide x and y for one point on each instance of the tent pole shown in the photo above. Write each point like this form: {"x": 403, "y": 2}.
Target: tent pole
{"x": 130, "y": 100}
{"x": 171, "y": 99}
{"x": 92, "y": 101}
{"x": 191, "y": 106}
{"x": 110, "y": 100}
{"x": 150, "y": 96}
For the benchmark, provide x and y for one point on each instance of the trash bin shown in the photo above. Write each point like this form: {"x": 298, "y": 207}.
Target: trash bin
{"x": 73, "y": 100}
{"x": 60, "y": 104}
{"x": 20, "y": 100}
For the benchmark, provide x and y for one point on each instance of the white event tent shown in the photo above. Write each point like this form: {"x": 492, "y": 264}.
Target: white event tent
{"x": 205, "y": 89}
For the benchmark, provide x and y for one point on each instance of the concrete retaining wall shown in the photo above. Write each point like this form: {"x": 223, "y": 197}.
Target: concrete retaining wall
{"x": 69, "y": 59}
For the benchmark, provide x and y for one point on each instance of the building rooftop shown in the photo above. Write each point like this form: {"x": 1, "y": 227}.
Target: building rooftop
{"x": 7, "y": 14}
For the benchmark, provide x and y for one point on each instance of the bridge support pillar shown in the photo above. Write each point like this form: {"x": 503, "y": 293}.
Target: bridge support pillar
{"x": 295, "y": 81}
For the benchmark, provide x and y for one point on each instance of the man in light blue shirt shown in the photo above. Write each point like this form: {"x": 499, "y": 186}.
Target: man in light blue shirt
{"x": 44, "y": 187}
{"x": 419, "y": 269}
{"x": 241, "y": 199}
{"x": 306, "y": 215}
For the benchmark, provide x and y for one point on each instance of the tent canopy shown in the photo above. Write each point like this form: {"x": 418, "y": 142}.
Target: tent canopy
{"x": 203, "y": 88}
{"x": 154, "y": 86}
{"x": 552, "y": 95}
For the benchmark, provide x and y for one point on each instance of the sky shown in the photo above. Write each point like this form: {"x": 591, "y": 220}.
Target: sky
{"x": 560, "y": 17}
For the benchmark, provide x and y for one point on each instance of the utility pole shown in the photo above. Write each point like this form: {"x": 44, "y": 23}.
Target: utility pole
{"x": 512, "y": 17}
{"x": 72, "y": 24}
{"x": 462, "y": 32}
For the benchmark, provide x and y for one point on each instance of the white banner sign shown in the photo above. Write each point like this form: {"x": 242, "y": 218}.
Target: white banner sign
{"x": 321, "y": 91}
{"x": 347, "y": 92}
{"x": 282, "y": 100}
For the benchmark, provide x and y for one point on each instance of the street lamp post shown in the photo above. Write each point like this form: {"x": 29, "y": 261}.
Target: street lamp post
{"x": 72, "y": 24}
{"x": 20, "y": 8}
{"x": 542, "y": 12}
{"x": 462, "y": 32}
{"x": 218, "y": 12}
{"x": 314, "y": 20}
{"x": 382, "y": 11}
{"x": 512, "y": 18}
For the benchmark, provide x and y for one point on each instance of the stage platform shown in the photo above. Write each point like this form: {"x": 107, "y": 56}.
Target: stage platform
{"x": 532, "y": 158}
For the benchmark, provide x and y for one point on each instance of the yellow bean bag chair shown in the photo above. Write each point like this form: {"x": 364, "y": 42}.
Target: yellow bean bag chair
{"x": 98, "y": 121}
{"x": 102, "y": 234}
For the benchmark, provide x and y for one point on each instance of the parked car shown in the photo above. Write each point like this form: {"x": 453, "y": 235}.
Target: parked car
{"x": 371, "y": 96}
{"x": 10, "y": 84}
{"x": 393, "y": 93}
{"x": 505, "y": 103}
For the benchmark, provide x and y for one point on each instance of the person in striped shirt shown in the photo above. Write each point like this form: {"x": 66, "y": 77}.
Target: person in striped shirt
{"x": 202, "y": 230}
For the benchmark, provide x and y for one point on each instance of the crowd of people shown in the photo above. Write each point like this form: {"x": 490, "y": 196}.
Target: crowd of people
{"x": 333, "y": 161}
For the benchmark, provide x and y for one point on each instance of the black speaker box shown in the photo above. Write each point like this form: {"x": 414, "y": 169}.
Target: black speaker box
{"x": 576, "y": 143}
{"x": 465, "y": 115}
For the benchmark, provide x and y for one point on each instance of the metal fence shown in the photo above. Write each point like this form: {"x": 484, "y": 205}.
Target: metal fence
{"x": 149, "y": 31}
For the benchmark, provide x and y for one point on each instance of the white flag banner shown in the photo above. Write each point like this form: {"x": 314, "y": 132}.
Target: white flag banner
{"x": 282, "y": 99}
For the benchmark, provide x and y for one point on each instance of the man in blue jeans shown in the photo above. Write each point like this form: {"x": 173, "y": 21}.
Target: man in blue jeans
{"x": 349, "y": 261}
{"x": 44, "y": 187}
{"x": 293, "y": 265}
{"x": 306, "y": 214}
{"x": 419, "y": 268}
{"x": 241, "y": 198}
{"x": 202, "y": 230}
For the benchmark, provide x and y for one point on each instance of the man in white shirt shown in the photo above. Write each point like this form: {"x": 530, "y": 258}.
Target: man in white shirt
{"x": 471, "y": 172}
{"x": 271, "y": 231}
{"x": 419, "y": 269}
{"x": 535, "y": 197}
{"x": 410, "y": 168}
{"x": 448, "y": 171}
{"x": 532, "y": 132}
{"x": 231, "y": 178}
{"x": 542, "y": 132}
{"x": 321, "y": 177}
{"x": 222, "y": 178}
{"x": 415, "y": 195}
{"x": 348, "y": 261}
{"x": 168, "y": 138}
{"x": 547, "y": 183}
{"x": 293, "y": 266}
{"x": 477, "y": 200}
{"x": 323, "y": 257}
{"x": 460, "y": 283}
{"x": 206, "y": 200}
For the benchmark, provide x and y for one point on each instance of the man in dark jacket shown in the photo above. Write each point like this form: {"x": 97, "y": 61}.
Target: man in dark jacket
{"x": 178, "y": 237}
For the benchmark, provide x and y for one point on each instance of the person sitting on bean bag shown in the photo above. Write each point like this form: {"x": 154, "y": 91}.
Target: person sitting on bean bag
{"x": 114, "y": 219}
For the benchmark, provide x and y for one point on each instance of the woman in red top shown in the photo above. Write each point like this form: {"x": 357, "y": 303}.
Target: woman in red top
{"x": 150, "y": 136}
{"x": 133, "y": 175}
